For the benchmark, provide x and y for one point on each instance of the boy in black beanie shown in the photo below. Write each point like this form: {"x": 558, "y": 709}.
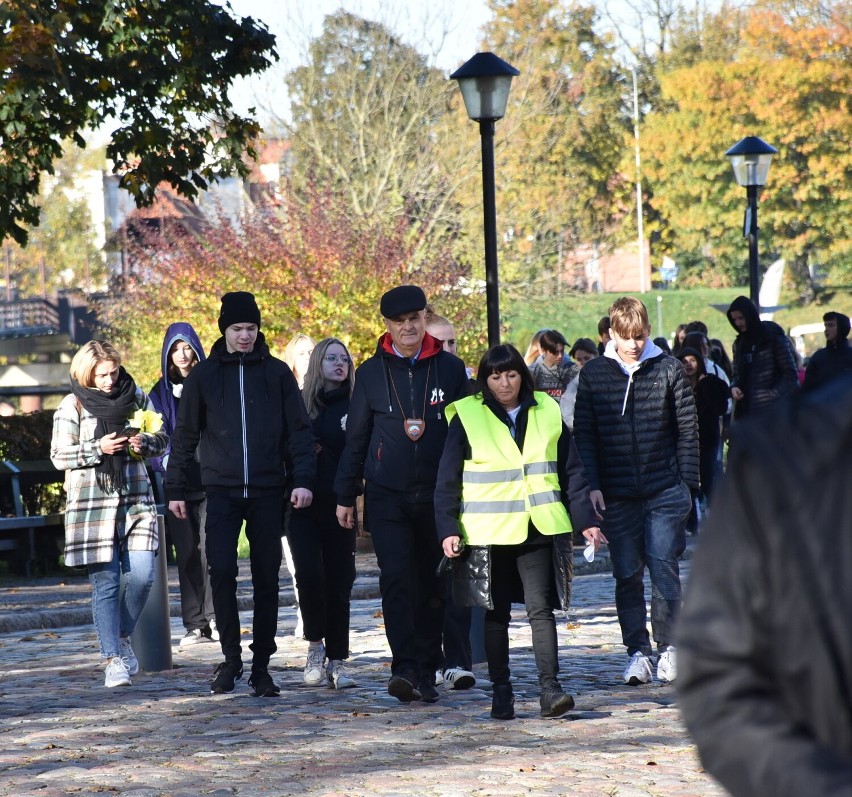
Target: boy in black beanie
{"x": 244, "y": 408}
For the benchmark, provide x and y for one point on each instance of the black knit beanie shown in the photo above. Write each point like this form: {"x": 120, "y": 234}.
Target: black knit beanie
{"x": 238, "y": 307}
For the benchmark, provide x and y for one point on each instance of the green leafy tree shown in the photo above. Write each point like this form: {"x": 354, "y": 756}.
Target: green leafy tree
{"x": 159, "y": 71}
{"x": 788, "y": 80}
{"x": 559, "y": 182}
{"x": 62, "y": 251}
{"x": 366, "y": 122}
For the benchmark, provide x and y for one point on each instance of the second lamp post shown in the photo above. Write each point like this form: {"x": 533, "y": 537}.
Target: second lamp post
{"x": 484, "y": 81}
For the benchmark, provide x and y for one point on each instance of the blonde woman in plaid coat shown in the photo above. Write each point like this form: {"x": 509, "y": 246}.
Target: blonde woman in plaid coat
{"x": 110, "y": 515}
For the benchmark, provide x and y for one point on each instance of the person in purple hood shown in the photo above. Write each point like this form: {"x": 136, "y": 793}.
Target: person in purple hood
{"x": 182, "y": 351}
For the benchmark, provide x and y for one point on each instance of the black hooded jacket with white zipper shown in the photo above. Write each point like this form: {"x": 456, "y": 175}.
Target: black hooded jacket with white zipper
{"x": 246, "y": 411}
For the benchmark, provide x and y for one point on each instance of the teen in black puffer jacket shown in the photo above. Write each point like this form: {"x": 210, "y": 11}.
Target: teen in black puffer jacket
{"x": 625, "y": 457}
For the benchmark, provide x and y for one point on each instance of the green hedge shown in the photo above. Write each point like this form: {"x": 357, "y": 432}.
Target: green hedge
{"x": 27, "y": 437}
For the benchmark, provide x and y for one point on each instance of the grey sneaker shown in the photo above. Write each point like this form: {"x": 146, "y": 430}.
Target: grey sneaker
{"x": 315, "y": 665}
{"x": 116, "y": 673}
{"x": 338, "y": 677}
{"x": 127, "y": 654}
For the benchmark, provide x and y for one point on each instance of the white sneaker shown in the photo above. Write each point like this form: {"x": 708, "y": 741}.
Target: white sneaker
{"x": 315, "y": 665}
{"x": 125, "y": 651}
{"x": 439, "y": 677}
{"x": 639, "y": 670}
{"x": 193, "y": 637}
{"x": 338, "y": 678}
{"x": 116, "y": 673}
{"x": 459, "y": 678}
{"x": 214, "y": 632}
{"x": 667, "y": 665}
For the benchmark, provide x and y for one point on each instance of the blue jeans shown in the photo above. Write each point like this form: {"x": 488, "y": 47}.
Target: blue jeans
{"x": 647, "y": 532}
{"x": 120, "y": 588}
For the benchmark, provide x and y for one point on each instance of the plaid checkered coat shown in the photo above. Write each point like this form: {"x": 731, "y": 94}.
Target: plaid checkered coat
{"x": 92, "y": 515}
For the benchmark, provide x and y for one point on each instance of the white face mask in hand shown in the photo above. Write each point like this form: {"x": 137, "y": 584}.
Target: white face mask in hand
{"x": 589, "y": 552}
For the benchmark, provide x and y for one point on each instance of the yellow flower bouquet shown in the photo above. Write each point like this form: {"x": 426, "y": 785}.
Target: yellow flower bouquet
{"x": 144, "y": 421}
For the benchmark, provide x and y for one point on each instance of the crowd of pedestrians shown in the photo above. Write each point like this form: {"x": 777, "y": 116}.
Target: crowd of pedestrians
{"x": 454, "y": 474}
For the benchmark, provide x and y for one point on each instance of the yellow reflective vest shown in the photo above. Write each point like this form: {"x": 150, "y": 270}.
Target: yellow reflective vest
{"x": 503, "y": 488}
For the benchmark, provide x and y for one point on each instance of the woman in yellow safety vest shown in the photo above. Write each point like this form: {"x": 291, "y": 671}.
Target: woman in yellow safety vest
{"x": 510, "y": 478}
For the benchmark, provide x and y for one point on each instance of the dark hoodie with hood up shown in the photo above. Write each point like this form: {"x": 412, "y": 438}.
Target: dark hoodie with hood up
{"x": 165, "y": 395}
{"x": 764, "y": 368}
{"x": 833, "y": 360}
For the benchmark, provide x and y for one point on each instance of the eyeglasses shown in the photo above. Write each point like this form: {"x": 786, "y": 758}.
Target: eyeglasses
{"x": 334, "y": 358}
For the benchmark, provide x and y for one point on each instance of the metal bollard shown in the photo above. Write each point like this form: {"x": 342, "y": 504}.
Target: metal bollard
{"x": 152, "y": 639}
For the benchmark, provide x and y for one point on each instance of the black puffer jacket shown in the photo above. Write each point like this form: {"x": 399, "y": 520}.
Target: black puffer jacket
{"x": 764, "y": 650}
{"x": 636, "y": 436}
{"x": 247, "y": 412}
{"x": 377, "y": 447}
{"x": 764, "y": 368}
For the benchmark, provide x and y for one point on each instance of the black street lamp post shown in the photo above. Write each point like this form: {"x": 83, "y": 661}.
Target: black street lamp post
{"x": 485, "y": 81}
{"x": 750, "y": 159}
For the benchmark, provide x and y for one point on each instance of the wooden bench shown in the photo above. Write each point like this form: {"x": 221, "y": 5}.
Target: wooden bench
{"x": 27, "y": 538}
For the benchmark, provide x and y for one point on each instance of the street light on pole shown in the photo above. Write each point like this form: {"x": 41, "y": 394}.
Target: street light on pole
{"x": 750, "y": 159}
{"x": 639, "y": 214}
{"x": 485, "y": 81}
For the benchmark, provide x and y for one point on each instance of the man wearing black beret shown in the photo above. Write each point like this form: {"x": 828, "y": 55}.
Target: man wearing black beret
{"x": 395, "y": 434}
{"x": 242, "y": 410}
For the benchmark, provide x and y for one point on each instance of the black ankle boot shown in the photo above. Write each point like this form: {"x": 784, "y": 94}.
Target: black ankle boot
{"x": 503, "y": 702}
{"x": 554, "y": 702}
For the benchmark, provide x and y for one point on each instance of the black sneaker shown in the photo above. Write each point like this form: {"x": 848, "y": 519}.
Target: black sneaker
{"x": 554, "y": 702}
{"x": 226, "y": 675}
{"x": 262, "y": 684}
{"x": 403, "y": 689}
{"x": 503, "y": 702}
{"x": 428, "y": 693}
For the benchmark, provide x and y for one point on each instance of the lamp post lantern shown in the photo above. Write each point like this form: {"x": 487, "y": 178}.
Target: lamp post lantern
{"x": 750, "y": 159}
{"x": 485, "y": 81}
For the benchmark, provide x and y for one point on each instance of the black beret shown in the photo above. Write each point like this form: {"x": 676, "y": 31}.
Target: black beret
{"x": 401, "y": 300}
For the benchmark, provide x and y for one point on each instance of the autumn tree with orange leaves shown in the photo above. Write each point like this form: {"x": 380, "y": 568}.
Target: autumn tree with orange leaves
{"x": 314, "y": 269}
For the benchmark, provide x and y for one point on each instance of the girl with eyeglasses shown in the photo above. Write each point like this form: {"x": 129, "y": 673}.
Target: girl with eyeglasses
{"x": 323, "y": 552}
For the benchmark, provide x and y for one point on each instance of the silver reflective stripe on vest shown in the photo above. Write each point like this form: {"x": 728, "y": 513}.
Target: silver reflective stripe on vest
{"x": 492, "y": 507}
{"x": 492, "y": 476}
{"x": 539, "y": 468}
{"x": 538, "y": 499}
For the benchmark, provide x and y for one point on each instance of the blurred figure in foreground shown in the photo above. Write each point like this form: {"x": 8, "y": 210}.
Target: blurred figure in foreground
{"x": 765, "y": 643}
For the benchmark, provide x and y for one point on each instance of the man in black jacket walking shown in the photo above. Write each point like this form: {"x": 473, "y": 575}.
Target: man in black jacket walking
{"x": 764, "y": 368}
{"x": 395, "y": 434}
{"x": 244, "y": 408}
{"x": 637, "y": 433}
{"x": 835, "y": 358}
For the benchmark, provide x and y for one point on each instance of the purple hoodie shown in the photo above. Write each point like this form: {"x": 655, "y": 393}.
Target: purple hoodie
{"x": 163, "y": 393}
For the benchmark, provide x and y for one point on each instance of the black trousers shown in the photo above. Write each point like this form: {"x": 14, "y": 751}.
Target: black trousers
{"x": 456, "y": 632}
{"x": 190, "y": 541}
{"x": 263, "y": 518}
{"x": 408, "y": 553}
{"x": 324, "y": 555}
{"x": 534, "y": 565}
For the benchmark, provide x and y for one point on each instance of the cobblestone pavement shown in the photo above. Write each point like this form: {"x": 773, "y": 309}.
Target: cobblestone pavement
{"x": 63, "y": 733}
